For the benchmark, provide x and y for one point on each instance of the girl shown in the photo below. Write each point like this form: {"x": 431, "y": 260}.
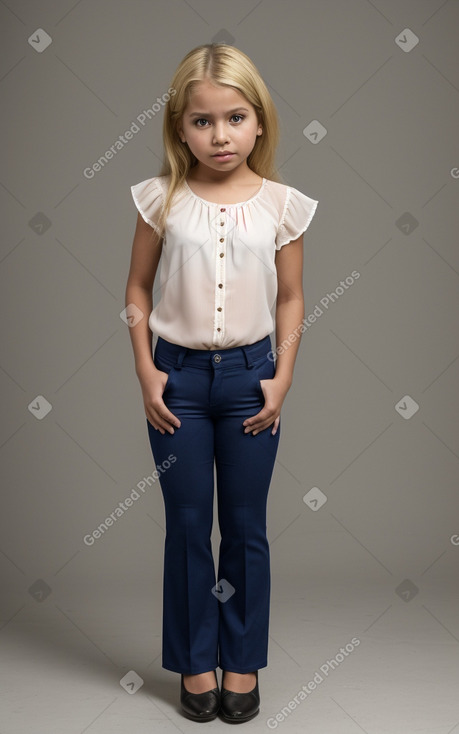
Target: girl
{"x": 219, "y": 217}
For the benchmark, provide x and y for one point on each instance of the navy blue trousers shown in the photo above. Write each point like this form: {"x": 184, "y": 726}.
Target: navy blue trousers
{"x": 211, "y": 620}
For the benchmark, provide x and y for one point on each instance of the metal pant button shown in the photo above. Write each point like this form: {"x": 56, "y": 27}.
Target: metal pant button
{"x": 217, "y": 358}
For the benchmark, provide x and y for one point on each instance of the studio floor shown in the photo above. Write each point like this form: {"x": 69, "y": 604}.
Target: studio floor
{"x": 344, "y": 658}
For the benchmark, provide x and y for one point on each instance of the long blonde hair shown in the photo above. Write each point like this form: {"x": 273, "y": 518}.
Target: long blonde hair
{"x": 223, "y": 65}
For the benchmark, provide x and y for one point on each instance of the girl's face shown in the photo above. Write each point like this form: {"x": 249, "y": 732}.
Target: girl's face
{"x": 219, "y": 119}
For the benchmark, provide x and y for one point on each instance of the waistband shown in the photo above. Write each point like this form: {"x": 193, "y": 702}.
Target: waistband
{"x": 209, "y": 358}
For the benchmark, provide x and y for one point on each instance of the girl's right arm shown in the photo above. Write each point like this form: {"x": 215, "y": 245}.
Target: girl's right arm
{"x": 145, "y": 256}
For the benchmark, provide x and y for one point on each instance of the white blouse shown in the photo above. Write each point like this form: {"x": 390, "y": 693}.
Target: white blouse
{"x": 218, "y": 275}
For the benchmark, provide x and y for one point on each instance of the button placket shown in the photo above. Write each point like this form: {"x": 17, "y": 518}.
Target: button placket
{"x": 220, "y": 273}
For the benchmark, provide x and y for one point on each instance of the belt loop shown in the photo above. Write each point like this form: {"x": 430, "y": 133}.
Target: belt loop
{"x": 180, "y": 357}
{"x": 247, "y": 356}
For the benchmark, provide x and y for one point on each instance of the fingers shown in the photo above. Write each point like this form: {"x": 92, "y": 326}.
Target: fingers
{"x": 260, "y": 421}
{"x": 162, "y": 419}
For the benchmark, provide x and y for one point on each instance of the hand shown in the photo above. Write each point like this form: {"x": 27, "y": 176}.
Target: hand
{"x": 153, "y": 383}
{"x": 274, "y": 391}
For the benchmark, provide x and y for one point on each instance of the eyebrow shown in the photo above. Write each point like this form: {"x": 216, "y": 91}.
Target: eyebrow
{"x": 208, "y": 114}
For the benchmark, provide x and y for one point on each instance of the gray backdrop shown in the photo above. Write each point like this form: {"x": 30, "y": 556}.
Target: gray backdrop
{"x": 364, "y": 498}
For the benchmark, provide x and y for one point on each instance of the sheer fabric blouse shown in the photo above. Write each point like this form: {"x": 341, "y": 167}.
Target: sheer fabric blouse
{"x": 217, "y": 270}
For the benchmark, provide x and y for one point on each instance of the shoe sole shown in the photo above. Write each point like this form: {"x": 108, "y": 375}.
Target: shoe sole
{"x": 199, "y": 718}
{"x": 238, "y": 720}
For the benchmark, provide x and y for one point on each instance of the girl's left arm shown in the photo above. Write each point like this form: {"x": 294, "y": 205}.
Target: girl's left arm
{"x": 289, "y": 317}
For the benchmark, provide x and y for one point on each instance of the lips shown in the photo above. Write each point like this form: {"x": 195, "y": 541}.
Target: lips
{"x": 223, "y": 153}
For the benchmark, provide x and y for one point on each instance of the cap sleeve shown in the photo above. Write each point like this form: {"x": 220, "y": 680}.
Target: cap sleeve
{"x": 298, "y": 212}
{"x": 148, "y": 198}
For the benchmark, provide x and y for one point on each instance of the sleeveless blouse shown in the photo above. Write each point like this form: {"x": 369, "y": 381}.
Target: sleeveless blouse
{"x": 218, "y": 275}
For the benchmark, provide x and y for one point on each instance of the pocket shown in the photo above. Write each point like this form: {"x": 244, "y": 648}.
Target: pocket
{"x": 264, "y": 369}
{"x": 170, "y": 376}
{"x": 165, "y": 367}
{"x": 258, "y": 384}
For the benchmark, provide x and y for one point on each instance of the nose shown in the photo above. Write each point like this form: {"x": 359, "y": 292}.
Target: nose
{"x": 220, "y": 133}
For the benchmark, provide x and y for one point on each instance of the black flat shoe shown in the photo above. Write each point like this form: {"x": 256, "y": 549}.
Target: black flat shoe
{"x": 238, "y": 707}
{"x": 200, "y": 706}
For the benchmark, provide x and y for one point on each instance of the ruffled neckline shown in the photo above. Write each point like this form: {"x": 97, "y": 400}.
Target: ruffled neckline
{"x": 222, "y": 203}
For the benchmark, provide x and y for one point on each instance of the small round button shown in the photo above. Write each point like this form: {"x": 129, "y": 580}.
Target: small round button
{"x": 220, "y": 285}
{"x": 217, "y": 358}
{"x": 223, "y": 210}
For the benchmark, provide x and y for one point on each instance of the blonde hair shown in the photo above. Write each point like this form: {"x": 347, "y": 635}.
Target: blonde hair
{"x": 223, "y": 65}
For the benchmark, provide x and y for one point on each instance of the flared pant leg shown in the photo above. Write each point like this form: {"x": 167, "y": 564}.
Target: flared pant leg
{"x": 190, "y": 611}
{"x": 209, "y": 620}
{"x": 244, "y": 468}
